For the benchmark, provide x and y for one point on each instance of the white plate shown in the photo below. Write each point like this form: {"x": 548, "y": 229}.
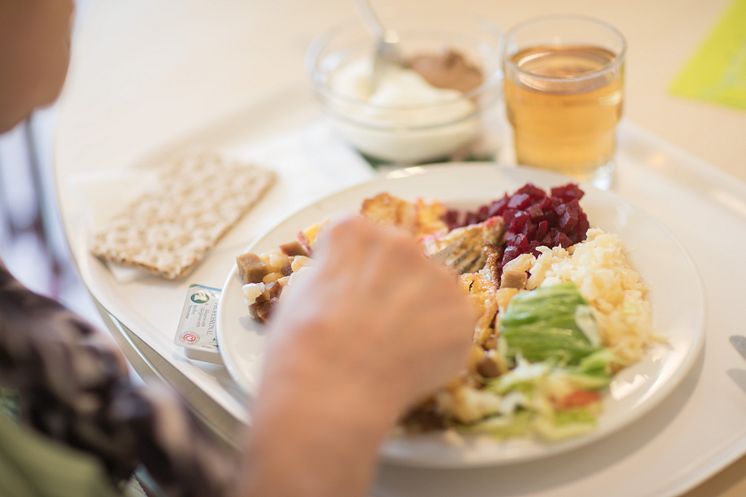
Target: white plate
{"x": 675, "y": 292}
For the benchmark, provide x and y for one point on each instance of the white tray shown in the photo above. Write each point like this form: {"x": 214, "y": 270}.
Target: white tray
{"x": 697, "y": 431}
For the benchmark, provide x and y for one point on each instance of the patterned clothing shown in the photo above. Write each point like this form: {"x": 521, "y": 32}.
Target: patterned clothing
{"x": 73, "y": 386}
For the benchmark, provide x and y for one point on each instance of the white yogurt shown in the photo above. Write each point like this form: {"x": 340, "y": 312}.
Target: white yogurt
{"x": 405, "y": 119}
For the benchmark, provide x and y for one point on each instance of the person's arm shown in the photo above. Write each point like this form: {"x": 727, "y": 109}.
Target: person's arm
{"x": 313, "y": 435}
{"x": 73, "y": 385}
{"x": 373, "y": 327}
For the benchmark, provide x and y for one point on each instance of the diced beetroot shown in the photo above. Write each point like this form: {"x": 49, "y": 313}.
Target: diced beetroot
{"x": 548, "y": 240}
{"x": 498, "y": 206}
{"x": 518, "y": 222}
{"x": 568, "y": 192}
{"x": 507, "y": 215}
{"x": 583, "y": 225}
{"x": 492, "y": 221}
{"x": 563, "y": 240}
{"x": 509, "y": 254}
{"x": 532, "y": 219}
{"x": 452, "y": 218}
{"x": 541, "y": 230}
{"x": 532, "y": 190}
{"x": 494, "y": 209}
{"x": 530, "y": 230}
{"x": 522, "y": 243}
{"x": 519, "y": 201}
{"x": 568, "y": 221}
{"x": 535, "y": 211}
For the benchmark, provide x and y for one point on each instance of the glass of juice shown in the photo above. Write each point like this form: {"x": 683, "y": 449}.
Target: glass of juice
{"x": 564, "y": 79}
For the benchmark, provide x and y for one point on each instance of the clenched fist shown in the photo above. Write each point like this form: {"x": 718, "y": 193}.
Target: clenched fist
{"x": 370, "y": 328}
{"x": 375, "y": 315}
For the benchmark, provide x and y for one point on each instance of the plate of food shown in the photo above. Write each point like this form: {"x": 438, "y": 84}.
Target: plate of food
{"x": 590, "y": 312}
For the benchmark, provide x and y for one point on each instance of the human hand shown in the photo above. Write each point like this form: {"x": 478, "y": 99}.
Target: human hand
{"x": 371, "y": 327}
{"x": 373, "y": 319}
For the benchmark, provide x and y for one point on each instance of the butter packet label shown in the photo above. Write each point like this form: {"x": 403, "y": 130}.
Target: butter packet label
{"x": 196, "y": 332}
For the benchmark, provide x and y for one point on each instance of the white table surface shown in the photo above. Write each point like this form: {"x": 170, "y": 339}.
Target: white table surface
{"x": 145, "y": 73}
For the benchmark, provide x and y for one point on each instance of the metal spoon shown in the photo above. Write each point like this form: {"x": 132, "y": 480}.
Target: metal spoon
{"x": 387, "y": 55}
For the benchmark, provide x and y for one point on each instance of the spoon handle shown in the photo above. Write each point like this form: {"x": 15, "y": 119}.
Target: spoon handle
{"x": 371, "y": 19}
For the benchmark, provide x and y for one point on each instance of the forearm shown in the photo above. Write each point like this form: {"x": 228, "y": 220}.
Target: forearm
{"x": 313, "y": 436}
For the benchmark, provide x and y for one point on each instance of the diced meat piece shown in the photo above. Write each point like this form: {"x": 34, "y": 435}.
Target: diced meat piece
{"x": 298, "y": 262}
{"x": 251, "y": 269}
{"x": 274, "y": 289}
{"x": 287, "y": 269}
{"x": 425, "y": 417}
{"x": 521, "y": 263}
{"x": 253, "y": 291}
{"x": 481, "y": 291}
{"x": 294, "y": 248}
{"x": 429, "y": 218}
{"x": 388, "y": 209}
{"x": 310, "y": 235}
{"x": 261, "y": 311}
{"x": 270, "y": 277}
{"x": 514, "y": 279}
{"x": 476, "y": 354}
{"x": 487, "y": 368}
{"x": 490, "y": 343}
{"x": 419, "y": 218}
{"x": 504, "y": 296}
{"x": 493, "y": 254}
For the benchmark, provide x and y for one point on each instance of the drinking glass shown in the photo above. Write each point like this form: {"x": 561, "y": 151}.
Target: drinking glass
{"x": 564, "y": 78}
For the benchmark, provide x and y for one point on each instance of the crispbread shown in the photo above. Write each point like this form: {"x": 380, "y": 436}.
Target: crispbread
{"x": 169, "y": 229}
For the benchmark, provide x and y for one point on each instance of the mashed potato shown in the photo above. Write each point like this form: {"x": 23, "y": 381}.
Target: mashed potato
{"x": 600, "y": 269}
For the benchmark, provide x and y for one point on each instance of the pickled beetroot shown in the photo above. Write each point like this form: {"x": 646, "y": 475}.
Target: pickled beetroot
{"x": 532, "y": 218}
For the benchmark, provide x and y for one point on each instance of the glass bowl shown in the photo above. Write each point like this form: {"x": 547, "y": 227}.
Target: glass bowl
{"x": 408, "y": 132}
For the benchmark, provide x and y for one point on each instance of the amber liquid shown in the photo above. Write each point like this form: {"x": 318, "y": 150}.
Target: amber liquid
{"x": 564, "y": 103}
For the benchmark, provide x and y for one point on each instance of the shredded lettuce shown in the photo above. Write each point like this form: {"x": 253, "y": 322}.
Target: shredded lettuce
{"x": 594, "y": 371}
{"x": 554, "y": 426}
{"x": 566, "y": 424}
{"x": 516, "y": 425}
{"x": 523, "y": 378}
{"x": 542, "y": 325}
{"x": 551, "y": 337}
{"x": 598, "y": 363}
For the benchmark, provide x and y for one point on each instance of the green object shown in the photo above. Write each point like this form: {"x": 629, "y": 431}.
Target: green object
{"x": 524, "y": 378}
{"x": 8, "y": 403}
{"x": 566, "y": 424}
{"x": 543, "y": 325}
{"x": 501, "y": 427}
{"x": 598, "y": 364}
{"x": 594, "y": 371}
{"x": 33, "y": 466}
{"x": 717, "y": 72}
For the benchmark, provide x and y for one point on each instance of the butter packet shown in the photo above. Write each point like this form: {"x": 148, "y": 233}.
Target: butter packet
{"x": 196, "y": 332}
